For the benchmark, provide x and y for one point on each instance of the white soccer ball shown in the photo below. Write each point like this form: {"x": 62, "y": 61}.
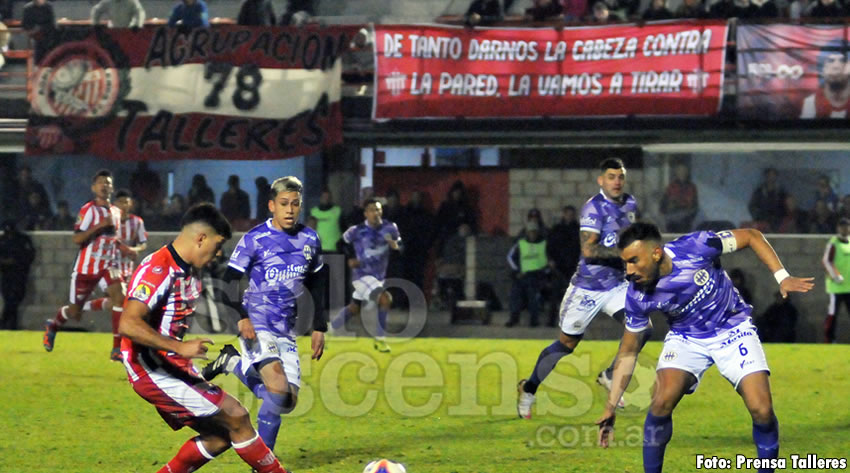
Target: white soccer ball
{"x": 384, "y": 466}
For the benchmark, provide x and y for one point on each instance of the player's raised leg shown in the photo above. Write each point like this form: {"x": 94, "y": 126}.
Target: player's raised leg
{"x": 671, "y": 386}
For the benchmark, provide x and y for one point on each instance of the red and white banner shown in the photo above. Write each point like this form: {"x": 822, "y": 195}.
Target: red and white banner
{"x": 670, "y": 68}
{"x": 228, "y": 92}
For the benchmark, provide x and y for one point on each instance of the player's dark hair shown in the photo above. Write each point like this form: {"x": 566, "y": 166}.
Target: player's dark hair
{"x": 638, "y": 231}
{"x": 123, "y": 193}
{"x": 206, "y": 213}
{"x": 102, "y": 172}
{"x": 611, "y": 163}
{"x": 370, "y": 201}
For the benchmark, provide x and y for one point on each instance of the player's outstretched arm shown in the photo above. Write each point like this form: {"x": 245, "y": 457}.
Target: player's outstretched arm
{"x": 754, "y": 239}
{"x": 134, "y": 327}
{"x": 623, "y": 370}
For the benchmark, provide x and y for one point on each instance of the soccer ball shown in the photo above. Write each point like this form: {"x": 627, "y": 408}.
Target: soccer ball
{"x": 384, "y": 466}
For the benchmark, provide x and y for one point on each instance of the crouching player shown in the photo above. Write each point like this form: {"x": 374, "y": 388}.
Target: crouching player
{"x": 161, "y": 298}
{"x": 709, "y": 324}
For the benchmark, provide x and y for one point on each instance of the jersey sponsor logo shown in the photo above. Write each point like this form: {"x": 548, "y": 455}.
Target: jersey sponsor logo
{"x": 308, "y": 253}
{"x": 290, "y": 271}
{"x": 588, "y": 222}
{"x": 610, "y": 240}
{"x": 669, "y": 356}
{"x": 142, "y": 292}
{"x": 157, "y": 269}
{"x": 373, "y": 252}
{"x": 701, "y": 277}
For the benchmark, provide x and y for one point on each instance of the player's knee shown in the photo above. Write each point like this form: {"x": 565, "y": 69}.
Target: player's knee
{"x": 569, "y": 341}
{"x": 661, "y": 406}
{"x": 74, "y": 312}
{"x": 762, "y": 414}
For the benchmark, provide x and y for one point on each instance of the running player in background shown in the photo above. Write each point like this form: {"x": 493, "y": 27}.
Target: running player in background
{"x": 281, "y": 257}
{"x": 162, "y": 296}
{"x": 132, "y": 240}
{"x": 367, "y": 247}
{"x": 597, "y": 285}
{"x": 96, "y": 230}
{"x": 709, "y": 323}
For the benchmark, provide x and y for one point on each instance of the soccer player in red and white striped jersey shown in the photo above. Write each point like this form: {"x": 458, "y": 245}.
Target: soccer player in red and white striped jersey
{"x": 132, "y": 235}
{"x": 161, "y": 298}
{"x": 96, "y": 233}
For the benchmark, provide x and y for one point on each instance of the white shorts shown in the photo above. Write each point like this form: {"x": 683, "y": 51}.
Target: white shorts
{"x": 268, "y": 346}
{"x": 367, "y": 288}
{"x": 737, "y": 353}
{"x": 579, "y": 306}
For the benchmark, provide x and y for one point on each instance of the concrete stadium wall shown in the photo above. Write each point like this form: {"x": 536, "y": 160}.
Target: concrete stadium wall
{"x": 49, "y": 281}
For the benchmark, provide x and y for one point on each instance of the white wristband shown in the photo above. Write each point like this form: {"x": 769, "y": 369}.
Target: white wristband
{"x": 780, "y": 275}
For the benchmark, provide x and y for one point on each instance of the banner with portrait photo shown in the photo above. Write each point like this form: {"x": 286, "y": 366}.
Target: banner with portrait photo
{"x": 788, "y": 72}
{"x": 227, "y": 92}
{"x": 657, "y": 69}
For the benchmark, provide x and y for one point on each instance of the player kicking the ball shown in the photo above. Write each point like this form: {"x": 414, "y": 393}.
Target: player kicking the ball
{"x": 162, "y": 297}
{"x": 709, "y": 324}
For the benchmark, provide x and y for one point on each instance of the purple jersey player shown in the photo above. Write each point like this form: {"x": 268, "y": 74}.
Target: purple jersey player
{"x": 599, "y": 284}
{"x": 282, "y": 257}
{"x": 367, "y": 247}
{"x": 709, "y": 324}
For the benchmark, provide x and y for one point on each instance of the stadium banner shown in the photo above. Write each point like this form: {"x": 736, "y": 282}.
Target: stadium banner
{"x": 668, "y": 68}
{"x": 793, "y": 71}
{"x": 227, "y": 92}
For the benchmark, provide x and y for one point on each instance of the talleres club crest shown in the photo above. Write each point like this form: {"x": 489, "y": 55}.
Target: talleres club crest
{"x": 77, "y": 79}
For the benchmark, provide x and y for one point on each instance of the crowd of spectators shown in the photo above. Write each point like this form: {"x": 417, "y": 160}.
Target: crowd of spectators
{"x": 489, "y": 12}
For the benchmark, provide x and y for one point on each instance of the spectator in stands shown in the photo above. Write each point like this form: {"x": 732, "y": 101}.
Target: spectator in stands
{"x": 38, "y": 18}
{"x": 823, "y": 220}
{"x": 120, "y": 13}
{"x": 767, "y": 203}
{"x": 483, "y": 13}
{"x": 797, "y": 9}
{"x": 844, "y": 210}
{"x": 601, "y": 14}
{"x": 574, "y": 10}
{"x": 542, "y": 10}
{"x": 657, "y": 11}
{"x": 453, "y": 212}
{"x": 298, "y": 12}
{"x": 763, "y": 9}
{"x": 63, "y": 220}
{"x": 146, "y": 187}
{"x": 825, "y": 193}
{"x": 794, "y": 219}
{"x": 330, "y": 224}
{"x": 563, "y": 249}
{"x": 235, "y": 204}
{"x": 778, "y": 324}
{"x": 190, "y": 14}
{"x": 680, "y": 203}
{"x": 416, "y": 223}
{"x": 739, "y": 281}
{"x": 392, "y": 207}
{"x": 263, "y": 189}
{"x": 200, "y": 191}
{"x": 529, "y": 265}
{"x": 38, "y": 214}
{"x": 173, "y": 212}
{"x": 16, "y": 256}
{"x": 623, "y": 9}
{"x": 832, "y": 96}
{"x": 26, "y": 187}
{"x": 825, "y": 9}
{"x": 451, "y": 268}
{"x": 691, "y": 9}
{"x": 256, "y": 13}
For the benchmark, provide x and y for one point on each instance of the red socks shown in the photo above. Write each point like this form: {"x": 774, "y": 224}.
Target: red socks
{"x": 95, "y": 305}
{"x": 255, "y": 453}
{"x": 191, "y": 456}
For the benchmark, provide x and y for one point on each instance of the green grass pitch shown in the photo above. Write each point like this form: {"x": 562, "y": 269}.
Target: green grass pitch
{"x": 437, "y": 405}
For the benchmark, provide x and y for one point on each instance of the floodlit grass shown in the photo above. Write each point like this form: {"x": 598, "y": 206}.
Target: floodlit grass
{"x": 437, "y": 405}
